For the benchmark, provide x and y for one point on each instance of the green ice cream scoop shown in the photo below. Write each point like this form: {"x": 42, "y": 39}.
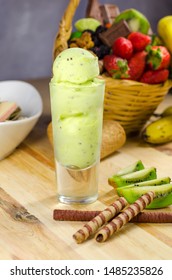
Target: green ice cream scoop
{"x": 77, "y": 96}
{"x": 75, "y": 65}
{"x": 77, "y": 122}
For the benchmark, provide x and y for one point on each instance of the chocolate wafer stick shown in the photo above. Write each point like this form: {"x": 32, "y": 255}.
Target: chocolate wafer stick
{"x": 87, "y": 215}
{"x": 124, "y": 217}
{"x": 92, "y": 226}
{"x": 153, "y": 217}
{"x": 74, "y": 215}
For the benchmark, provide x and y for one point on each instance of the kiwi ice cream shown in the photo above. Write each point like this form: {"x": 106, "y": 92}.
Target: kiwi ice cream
{"x": 77, "y": 95}
{"x": 75, "y": 65}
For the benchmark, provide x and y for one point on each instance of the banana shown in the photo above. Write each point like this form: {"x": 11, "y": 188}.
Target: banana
{"x": 167, "y": 112}
{"x": 164, "y": 28}
{"x": 159, "y": 131}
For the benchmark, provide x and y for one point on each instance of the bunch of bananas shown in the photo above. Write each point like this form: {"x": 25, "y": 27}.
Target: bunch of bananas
{"x": 160, "y": 131}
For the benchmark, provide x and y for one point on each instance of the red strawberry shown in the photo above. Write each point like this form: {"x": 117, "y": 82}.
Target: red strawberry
{"x": 137, "y": 64}
{"x": 158, "y": 57}
{"x": 116, "y": 66}
{"x": 155, "y": 76}
{"x": 122, "y": 47}
{"x": 139, "y": 40}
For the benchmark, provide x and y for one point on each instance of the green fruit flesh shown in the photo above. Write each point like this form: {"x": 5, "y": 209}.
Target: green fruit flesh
{"x": 86, "y": 23}
{"x": 163, "y": 195}
{"x": 136, "y": 20}
{"x": 154, "y": 182}
{"x": 76, "y": 34}
{"x": 134, "y": 177}
{"x": 136, "y": 166}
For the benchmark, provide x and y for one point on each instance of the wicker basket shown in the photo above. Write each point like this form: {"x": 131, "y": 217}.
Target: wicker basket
{"x": 128, "y": 102}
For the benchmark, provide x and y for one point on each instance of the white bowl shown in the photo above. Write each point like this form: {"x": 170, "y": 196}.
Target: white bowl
{"x": 12, "y": 133}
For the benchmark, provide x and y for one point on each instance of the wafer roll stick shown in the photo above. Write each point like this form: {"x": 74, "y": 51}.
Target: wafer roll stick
{"x": 124, "y": 217}
{"x": 87, "y": 215}
{"x": 74, "y": 215}
{"x": 92, "y": 226}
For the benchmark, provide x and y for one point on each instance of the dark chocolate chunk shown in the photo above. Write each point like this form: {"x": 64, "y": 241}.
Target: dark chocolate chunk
{"x": 109, "y": 12}
{"x": 93, "y": 10}
{"x": 120, "y": 29}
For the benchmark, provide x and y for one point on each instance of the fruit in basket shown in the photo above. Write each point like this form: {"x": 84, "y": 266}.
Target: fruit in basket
{"x": 84, "y": 41}
{"x": 76, "y": 34}
{"x": 164, "y": 29}
{"x": 155, "y": 76}
{"x": 163, "y": 194}
{"x": 146, "y": 174}
{"x": 87, "y": 23}
{"x": 158, "y": 57}
{"x": 137, "y": 64}
{"x": 122, "y": 47}
{"x": 116, "y": 66}
{"x": 125, "y": 50}
{"x": 101, "y": 51}
{"x": 136, "y": 20}
{"x": 159, "y": 131}
{"x": 139, "y": 40}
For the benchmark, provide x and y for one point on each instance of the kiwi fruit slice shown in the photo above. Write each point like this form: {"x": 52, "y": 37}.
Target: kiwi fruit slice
{"x": 133, "y": 177}
{"x": 135, "y": 19}
{"x": 154, "y": 182}
{"x": 163, "y": 195}
{"x": 87, "y": 23}
{"x": 136, "y": 166}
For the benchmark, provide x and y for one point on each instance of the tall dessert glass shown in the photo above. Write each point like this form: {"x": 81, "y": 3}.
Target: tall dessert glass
{"x": 77, "y": 95}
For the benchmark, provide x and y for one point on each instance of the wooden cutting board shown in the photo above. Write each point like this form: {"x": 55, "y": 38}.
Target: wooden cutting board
{"x": 28, "y": 196}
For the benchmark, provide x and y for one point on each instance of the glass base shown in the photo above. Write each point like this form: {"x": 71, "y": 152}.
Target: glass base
{"x": 77, "y": 200}
{"x": 77, "y": 186}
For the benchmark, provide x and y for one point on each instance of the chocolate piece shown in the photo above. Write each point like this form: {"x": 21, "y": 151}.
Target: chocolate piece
{"x": 74, "y": 215}
{"x": 109, "y": 12}
{"x": 93, "y": 10}
{"x": 120, "y": 29}
{"x": 88, "y": 215}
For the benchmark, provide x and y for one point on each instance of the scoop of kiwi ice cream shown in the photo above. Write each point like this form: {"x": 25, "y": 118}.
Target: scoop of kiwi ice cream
{"x": 75, "y": 65}
{"x": 77, "y": 108}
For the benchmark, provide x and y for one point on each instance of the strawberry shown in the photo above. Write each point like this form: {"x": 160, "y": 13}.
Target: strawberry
{"x": 155, "y": 76}
{"x": 116, "y": 66}
{"x": 122, "y": 47}
{"x": 139, "y": 40}
{"x": 137, "y": 64}
{"x": 158, "y": 57}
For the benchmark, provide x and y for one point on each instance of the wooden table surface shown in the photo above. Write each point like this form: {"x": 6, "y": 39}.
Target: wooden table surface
{"x": 28, "y": 196}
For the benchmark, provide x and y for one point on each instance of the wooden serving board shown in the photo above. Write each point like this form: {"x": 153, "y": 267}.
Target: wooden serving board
{"x": 28, "y": 196}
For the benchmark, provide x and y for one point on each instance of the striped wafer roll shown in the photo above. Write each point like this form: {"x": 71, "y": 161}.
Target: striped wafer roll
{"x": 124, "y": 217}
{"x": 104, "y": 216}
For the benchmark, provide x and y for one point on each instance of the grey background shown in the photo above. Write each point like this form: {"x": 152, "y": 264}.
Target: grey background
{"x": 28, "y": 29}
